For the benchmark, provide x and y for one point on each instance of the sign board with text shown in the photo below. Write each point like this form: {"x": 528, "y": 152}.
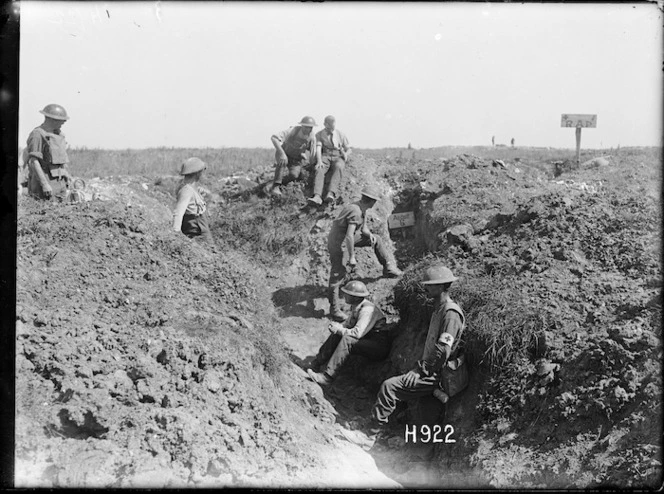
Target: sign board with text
{"x": 576, "y": 120}
{"x": 401, "y": 220}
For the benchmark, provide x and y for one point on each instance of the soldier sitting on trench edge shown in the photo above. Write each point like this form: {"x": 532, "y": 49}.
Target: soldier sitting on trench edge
{"x": 364, "y": 333}
{"x": 295, "y": 148}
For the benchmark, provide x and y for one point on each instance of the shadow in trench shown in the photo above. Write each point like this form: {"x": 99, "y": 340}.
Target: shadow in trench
{"x": 298, "y": 301}
{"x": 410, "y": 463}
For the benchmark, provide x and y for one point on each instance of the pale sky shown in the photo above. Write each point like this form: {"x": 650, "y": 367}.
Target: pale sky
{"x": 212, "y": 74}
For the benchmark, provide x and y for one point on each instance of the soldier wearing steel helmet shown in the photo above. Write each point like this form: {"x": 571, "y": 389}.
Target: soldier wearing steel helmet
{"x": 441, "y": 344}
{"x": 295, "y": 149}
{"x": 350, "y": 229}
{"x": 190, "y": 215}
{"x": 364, "y": 333}
{"x": 48, "y": 172}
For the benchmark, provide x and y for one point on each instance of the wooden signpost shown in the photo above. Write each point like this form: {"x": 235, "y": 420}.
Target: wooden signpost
{"x": 578, "y": 121}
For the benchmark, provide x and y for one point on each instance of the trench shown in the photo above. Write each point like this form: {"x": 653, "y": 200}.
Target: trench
{"x": 424, "y": 446}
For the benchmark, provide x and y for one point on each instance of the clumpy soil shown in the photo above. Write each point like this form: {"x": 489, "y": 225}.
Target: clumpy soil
{"x": 146, "y": 359}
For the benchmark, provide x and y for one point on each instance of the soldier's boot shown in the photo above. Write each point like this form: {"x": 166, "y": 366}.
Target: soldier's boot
{"x": 319, "y": 378}
{"x": 390, "y": 270}
{"x": 276, "y": 190}
{"x": 335, "y": 312}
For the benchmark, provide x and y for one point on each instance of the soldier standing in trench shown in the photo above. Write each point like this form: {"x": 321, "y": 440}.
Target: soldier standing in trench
{"x": 48, "y": 172}
{"x": 295, "y": 148}
{"x": 190, "y": 215}
{"x": 364, "y": 333}
{"x": 350, "y": 228}
{"x": 441, "y": 345}
{"x": 332, "y": 152}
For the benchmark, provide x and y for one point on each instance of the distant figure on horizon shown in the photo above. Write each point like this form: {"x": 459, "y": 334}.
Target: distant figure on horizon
{"x": 47, "y": 159}
{"x": 191, "y": 216}
{"x": 295, "y": 148}
{"x": 512, "y": 141}
{"x": 332, "y": 151}
{"x": 493, "y": 140}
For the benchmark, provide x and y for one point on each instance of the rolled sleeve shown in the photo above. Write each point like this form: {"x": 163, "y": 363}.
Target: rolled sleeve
{"x": 35, "y": 145}
{"x": 282, "y": 136}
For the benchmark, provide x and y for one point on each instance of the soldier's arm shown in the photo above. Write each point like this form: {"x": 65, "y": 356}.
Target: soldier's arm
{"x": 35, "y": 167}
{"x": 451, "y": 328}
{"x": 184, "y": 196}
{"x": 361, "y": 327}
{"x": 346, "y": 147}
{"x": 350, "y": 243}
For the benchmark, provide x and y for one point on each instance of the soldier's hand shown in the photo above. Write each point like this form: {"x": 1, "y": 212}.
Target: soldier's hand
{"x": 334, "y": 327}
{"x": 282, "y": 159}
{"x": 319, "y": 165}
{"x": 410, "y": 379}
{"x": 352, "y": 262}
{"x": 372, "y": 239}
{"x": 48, "y": 192}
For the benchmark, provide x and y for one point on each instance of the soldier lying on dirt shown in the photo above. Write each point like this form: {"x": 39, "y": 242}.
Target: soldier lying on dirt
{"x": 440, "y": 347}
{"x": 295, "y": 147}
{"x": 364, "y": 333}
{"x": 345, "y": 231}
{"x": 48, "y": 174}
{"x": 191, "y": 216}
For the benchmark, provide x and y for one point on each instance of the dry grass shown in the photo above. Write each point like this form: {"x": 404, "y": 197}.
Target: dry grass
{"x": 164, "y": 161}
{"x": 501, "y": 326}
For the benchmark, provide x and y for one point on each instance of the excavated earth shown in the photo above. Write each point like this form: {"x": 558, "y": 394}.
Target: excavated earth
{"x": 146, "y": 359}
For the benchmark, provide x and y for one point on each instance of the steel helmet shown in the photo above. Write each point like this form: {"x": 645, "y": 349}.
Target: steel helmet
{"x": 307, "y": 122}
{"x": 438, "y": 275}
{"x": 192, "y": 165}
{"x": 55, "y": 111}
{"x": 371, "y": 192}
{"x": 356, "y": 289}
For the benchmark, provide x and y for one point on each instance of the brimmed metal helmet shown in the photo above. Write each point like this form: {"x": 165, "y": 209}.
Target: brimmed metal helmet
{"x": 371, "y": 192}
{"x": 55, "y": 111}
{"x": 192, "y": 165}
{"x": 307, "y": 122}
{"x": 356, "y": 289}
{"x": 438, "y": 275}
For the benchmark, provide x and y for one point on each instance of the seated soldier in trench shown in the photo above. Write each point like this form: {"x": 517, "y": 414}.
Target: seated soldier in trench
{"x": 441, "y": 345}
{"x": 364, "y": 333}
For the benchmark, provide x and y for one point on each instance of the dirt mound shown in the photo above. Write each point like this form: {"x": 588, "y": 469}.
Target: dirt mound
{"x": 147, "y": 359}
{"x": 561, "y": 274}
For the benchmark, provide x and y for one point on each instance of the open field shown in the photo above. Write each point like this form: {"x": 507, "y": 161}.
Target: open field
{"x": 222, "y": 162}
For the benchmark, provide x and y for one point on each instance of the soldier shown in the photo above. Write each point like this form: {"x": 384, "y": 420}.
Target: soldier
{"x": 364, "y": 333}
{"x": 350, "y": 228}
{"x": 48, "y": 172}
{"x": 295, "y": 148}
{"x": 191, "y": 216}
{"x": 332, "y": 152}
{"x": 441, "y": 345}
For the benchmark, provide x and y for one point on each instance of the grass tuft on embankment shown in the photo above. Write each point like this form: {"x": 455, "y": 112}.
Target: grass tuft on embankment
{"x": 501, "y": 324}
